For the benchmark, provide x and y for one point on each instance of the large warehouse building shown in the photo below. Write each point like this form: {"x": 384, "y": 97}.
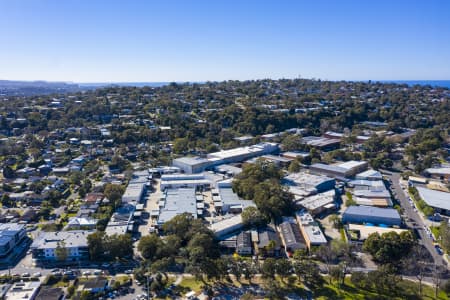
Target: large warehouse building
{"x": 197, "y": 164}
{"x": 438, "y": 200}
{"x": 371, "y": 215}
{"x": 340, "y": 171}
{"x": 304, "y": 184}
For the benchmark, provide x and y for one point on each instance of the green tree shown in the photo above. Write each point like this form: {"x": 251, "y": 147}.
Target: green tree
{"x": 61, "y": 251}
{"x": 180, "y": 145}
{"x": 252, "y": 217}
{"x": 119, "y": 245}
{"x": 245, "y": 183}
{"x": 268, "y": 268}
{"x": 150, "y": 246}
{"x": 272, "y": 199}
{"x": 336, "y": 221}
{"x": 114, "y": 193}
{"x": 6, "y": 200}
{"x": 308, "y": 272}
{"x": 444, "y": 235}
{"x": 359, "y": 279}
{"x": 8, "y": 172}
{"x": 283, "y": 268}
{"x": 292, "y": 142}
{"x": 96, "y": 245}
{"x": 390, "y": 247}
{"x": 294, "y": 166}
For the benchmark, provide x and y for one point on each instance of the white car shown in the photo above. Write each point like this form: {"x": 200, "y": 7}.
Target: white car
{"x": 37, "y": 274}
{"x": 85, "y": 273}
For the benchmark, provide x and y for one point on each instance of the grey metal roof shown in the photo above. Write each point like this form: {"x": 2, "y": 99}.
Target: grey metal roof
{"x": 266, "y": 235}
{"x": 434, "y": 198}
{"x": 192, "y": 160}
{"x": 244, "y": 240}
{"x": 229, "y": 197}
{"x": 291, "y": 235}
{"x": 363, "y": 210}
{"x": 178, "y": 201}
{"x": 332, "y": 168}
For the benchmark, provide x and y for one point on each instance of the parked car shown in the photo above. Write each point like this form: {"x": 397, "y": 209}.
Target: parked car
{"x": 438, "y": 249}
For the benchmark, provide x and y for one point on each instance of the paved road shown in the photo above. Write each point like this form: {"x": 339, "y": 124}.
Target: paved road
{"x": 414, "y": 218}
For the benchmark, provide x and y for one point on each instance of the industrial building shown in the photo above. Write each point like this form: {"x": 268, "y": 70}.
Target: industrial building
{"x": 304, "y": 184}
{"x": 371, "y": 215}
{"x": 370, "y": 192}
{"x": 369, "y": 175}
{"x": 295, "y": 154}
{"x": 340, "y": 171}
{"x": 192, "y": 164}
{"x": 121, "y": 221}
{"x": 442, "y": 173}
{"x": 244, "y": 243}
{"x": 310, "y": 229}
{"x": 291, "y": 235}
{"x": 227, "y": 201}
{"x": 279, "y": 161}
{"x": 319, "y": 203}
{"x": 44, "y": 246}
{"x": 439, "y": 201}
{"x": 322, "y": 143}
{"x": 174, "y": 181}
{"x": 228, "y": 170}
{"x": 265, "y": 236}
{"x": 358, "y": 232}
{"x": 197, "y": 164}
{"x": 136, "y": 188}
{"x": 175, "y": 202}
{"x": 226, "y": 226}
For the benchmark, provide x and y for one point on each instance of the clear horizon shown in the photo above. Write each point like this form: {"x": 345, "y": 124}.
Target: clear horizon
{"x": 176, "y": 41}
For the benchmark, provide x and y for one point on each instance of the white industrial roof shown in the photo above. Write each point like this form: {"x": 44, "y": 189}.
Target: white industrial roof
{"x": 319, "y": 200}
{"x": 351, "y": 164}
{"x": 443, "y": 171}
{"x": 434, "y": 198}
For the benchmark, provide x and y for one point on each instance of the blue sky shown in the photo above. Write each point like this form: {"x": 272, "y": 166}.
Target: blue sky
{"x": 189, "y": 40}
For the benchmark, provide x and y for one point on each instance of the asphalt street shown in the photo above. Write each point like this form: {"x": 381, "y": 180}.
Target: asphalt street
{"x": 414, "y": 219}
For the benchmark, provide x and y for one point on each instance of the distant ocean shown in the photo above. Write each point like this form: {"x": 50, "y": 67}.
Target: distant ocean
{"x": 440, "y": 83}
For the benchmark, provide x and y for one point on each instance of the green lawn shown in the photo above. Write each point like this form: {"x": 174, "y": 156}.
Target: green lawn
{"x": 191, "y": 283}
{"x": 407, "y": 289}
{"x": 435, "y": 231}
{"x": 350, "y": 292}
